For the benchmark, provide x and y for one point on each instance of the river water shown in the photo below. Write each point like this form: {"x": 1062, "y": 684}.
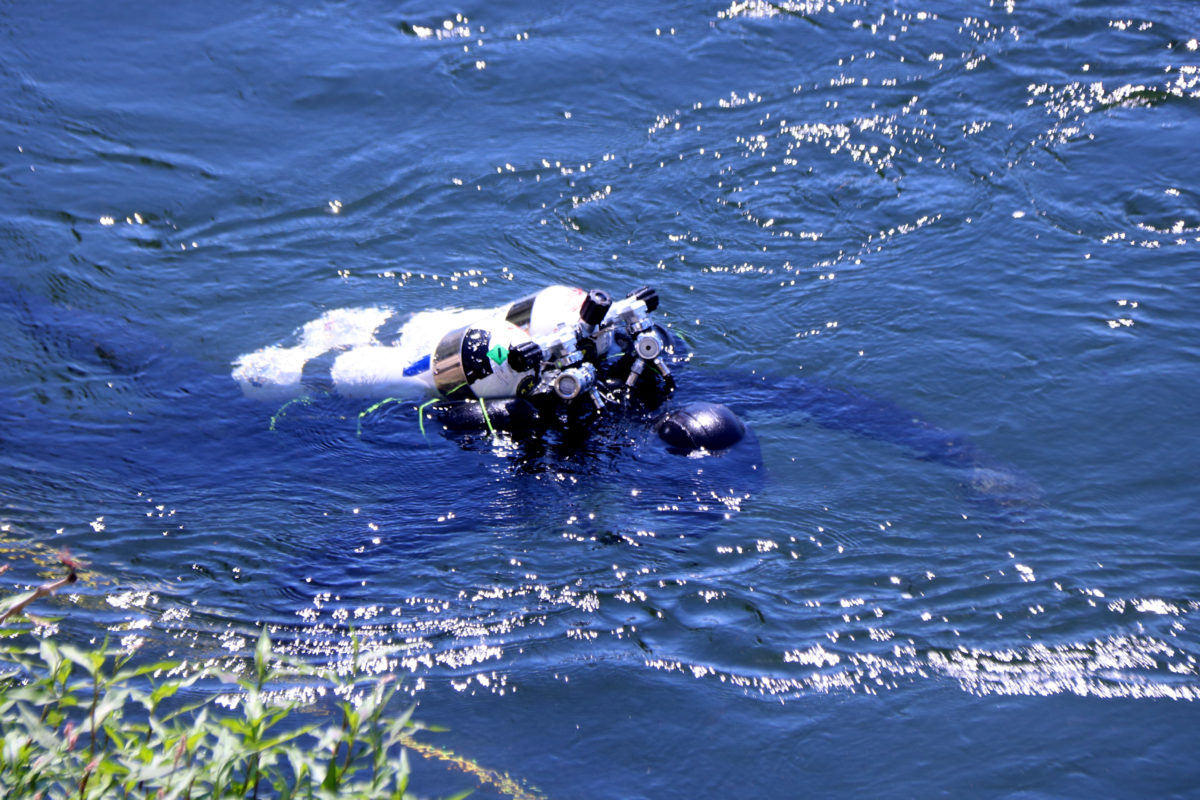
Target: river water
{"x": 873, "y": 223}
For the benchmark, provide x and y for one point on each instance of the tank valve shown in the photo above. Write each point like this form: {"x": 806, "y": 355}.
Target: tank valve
{"x": 525, "y": 357}
{"x": 647, "y": 296}
{"x": 595, "y": 307}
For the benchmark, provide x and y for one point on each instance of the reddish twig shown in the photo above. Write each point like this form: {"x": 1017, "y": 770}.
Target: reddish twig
{"x": 49, "y": 587}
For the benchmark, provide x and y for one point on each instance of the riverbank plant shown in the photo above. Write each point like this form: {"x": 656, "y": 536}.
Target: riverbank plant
{"x": 92, "y": 724}
{"x": 80, "y": 723}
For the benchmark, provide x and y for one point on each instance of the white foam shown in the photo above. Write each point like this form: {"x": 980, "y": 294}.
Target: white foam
{"x": 274, "y": 372}
{"x": 367, "y": 368}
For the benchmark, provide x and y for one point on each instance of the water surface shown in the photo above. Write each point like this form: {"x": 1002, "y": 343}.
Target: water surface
{"x": 979, "y": 216}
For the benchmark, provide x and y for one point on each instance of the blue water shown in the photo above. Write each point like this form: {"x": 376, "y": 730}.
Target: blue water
{"x": 979, "y": 220}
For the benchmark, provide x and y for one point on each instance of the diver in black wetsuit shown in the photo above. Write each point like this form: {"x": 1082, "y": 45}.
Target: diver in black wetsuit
{"x": 570, "y": 377}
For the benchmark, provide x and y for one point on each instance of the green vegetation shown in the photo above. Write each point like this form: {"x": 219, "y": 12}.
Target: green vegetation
{"x": 93, "y": 724}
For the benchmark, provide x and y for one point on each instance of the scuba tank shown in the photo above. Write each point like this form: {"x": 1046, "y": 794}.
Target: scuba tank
{"x": 549, "y": 341}
{"x": 533, "y": 359}
{"x": 370, "y": 353}
{"x": 487, "y": 358}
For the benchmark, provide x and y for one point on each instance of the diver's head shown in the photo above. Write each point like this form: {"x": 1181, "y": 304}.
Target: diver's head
{"x": 699, "y": 426}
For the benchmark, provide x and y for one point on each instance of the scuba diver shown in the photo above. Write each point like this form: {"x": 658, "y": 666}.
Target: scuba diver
{"x": 572, "y": 361}
{"x": 579, "y": 365}
{"x": 559, "y": 358}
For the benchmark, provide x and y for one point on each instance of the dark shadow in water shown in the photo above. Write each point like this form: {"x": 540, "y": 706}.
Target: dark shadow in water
{"x": 985, "y": 479}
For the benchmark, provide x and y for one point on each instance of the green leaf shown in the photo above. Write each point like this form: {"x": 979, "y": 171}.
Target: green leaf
{"x": 402, "y": 779}
{"x": 50, "y": 654}
{"x": 301, "y": 761}
{"x": 162, "y": 692}
{"x": 402, "y": 721}
{"x": 35, "y": 729}
{"x": 81, "y": 658}
{"x": 130, "y": 673}
{"x": 188, "y": 709}
{"x": 235, "y": 725}
{"x": 152, "y": 773}
{"x": 262, "y": 654}
{"x": 269, "y": 744}
{"x": 331, "y": 775}
{"x": 112, "y": 701}
{"x": 14, "y": 748}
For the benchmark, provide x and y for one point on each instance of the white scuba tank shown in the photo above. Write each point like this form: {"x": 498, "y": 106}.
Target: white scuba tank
{"x": 453, "y": 353}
